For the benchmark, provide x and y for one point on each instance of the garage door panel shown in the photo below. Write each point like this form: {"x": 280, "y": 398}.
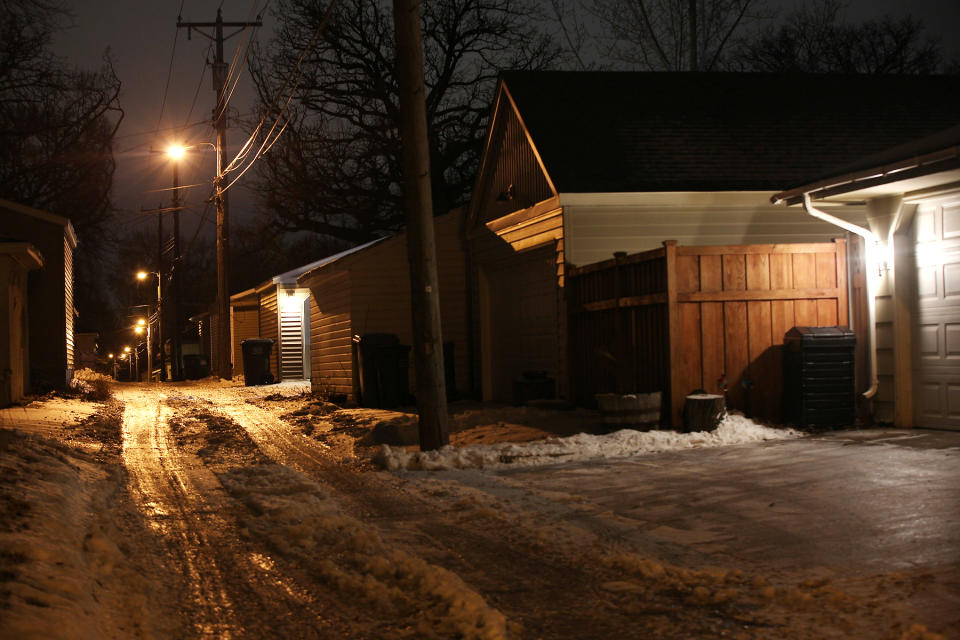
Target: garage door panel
{"x": 951, "y": 281}
{"x": 927, "y": 283}
{"x": 937, "y": 320}
{"x": 951, "y": 221}
{"x": 929, "y": 343}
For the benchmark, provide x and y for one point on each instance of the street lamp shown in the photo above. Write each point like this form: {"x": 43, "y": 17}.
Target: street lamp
{"x": 114, "y": 365}
{"x": 126, "y": 352}
{"x": 143, "y": 275}
{"x": 175, "y": 152}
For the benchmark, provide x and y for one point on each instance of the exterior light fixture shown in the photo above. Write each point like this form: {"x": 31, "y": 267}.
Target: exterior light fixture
{"x": 175, "y": 151}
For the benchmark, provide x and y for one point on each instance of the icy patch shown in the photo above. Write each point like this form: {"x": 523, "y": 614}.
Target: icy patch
{"x": 735, "y": 429}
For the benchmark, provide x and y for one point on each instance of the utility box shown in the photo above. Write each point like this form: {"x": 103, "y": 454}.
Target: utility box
{"x": 818, "y": 377}
{"x": 256, "y": 361}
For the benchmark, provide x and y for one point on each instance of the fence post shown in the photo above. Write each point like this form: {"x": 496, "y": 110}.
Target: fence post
{"x": 620, "y": 354}
{"x": 674, "y": 397}
{"x": 843, "y": 309}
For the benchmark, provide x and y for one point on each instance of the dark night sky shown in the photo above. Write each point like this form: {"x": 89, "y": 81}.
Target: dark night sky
{"x": 141, "y": 36}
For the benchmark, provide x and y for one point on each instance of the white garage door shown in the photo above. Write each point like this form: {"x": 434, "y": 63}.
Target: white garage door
{"x": 936, "y": 365}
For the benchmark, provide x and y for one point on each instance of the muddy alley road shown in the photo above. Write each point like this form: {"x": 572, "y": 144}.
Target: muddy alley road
{"x": 212, "y": 510}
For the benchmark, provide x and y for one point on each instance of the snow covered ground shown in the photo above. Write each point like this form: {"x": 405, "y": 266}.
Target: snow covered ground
{"x": 210, "y": 509}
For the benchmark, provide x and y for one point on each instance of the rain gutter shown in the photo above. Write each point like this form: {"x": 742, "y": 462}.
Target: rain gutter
{"x": 870, "y": 242}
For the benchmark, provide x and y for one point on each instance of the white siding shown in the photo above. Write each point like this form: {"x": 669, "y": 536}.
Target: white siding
{"x": 597, "y": 225}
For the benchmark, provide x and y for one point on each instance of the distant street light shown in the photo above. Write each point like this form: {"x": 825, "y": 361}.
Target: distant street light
{"x": 143, "y": 275}
{"x": 113, "y": 362}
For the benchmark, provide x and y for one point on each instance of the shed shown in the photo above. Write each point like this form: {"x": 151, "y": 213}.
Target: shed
{"x": 50, "y": 291}
{"x": 581, "y": 165}
{"x": 366, "y": 290}
{"x": 16, "y": 260}
{"x": 912, "y": 194}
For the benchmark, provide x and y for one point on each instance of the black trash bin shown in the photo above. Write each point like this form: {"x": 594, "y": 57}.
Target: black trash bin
{"x": 256, "y": 361}
{"x": 382, "y": 380}
{"x": 195, "y": 366}
{"x": 818, "y": 377}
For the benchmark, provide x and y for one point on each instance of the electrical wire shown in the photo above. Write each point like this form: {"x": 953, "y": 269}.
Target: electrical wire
{"x": 173, "y": 54}
{"x": 294, "y": 77}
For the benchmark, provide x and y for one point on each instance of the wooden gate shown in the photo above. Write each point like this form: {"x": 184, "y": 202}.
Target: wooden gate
{"x": 678, "y": 319}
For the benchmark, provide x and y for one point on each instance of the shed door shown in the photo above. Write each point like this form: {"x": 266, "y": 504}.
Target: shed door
{"x": 291, "y": 341}
{"x": 936, "y": 367}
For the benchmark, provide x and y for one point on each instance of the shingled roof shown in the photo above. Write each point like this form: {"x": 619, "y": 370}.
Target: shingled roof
{"x": 626, "y": 131}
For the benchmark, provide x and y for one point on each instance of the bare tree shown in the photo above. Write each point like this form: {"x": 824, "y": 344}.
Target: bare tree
{"x": 336, "y": 170}
{"x": 59, "y": 122}
{"x": 674, "y": 35}
{"x": 57, "y": 134}
{"x": 816, "y": 38}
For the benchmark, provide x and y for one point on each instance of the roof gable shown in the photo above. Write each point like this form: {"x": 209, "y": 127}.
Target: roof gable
{"x": 512, "y": 176}
{"x": 627, "y": 132}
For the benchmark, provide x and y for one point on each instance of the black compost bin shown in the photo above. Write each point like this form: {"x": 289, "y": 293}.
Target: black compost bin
{"x": 382, "y": 366}
{"x": 196, "y": 366}
{"x": 256, "y": 361}
{"x": 818, "y": 377}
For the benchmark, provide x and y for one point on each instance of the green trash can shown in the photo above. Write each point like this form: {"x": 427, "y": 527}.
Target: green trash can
{"x": 256, "y": 361}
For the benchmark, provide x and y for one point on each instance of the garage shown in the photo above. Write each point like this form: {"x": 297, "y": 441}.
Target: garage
{"x": 936, "y": 363}
{"x": 912, "y": 198}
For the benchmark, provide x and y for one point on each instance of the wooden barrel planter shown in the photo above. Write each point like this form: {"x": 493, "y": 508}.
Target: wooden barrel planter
{"x": 630, "y": 411}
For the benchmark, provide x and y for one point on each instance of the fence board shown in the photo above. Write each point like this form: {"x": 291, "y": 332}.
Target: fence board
{"x": 689, "y": 364}
{"x": 781, "y": 271}
{"x": 758, "y": 271}
{"x": 734, "y": 272}
{"x": 688, "y": 274}
{"x": 712, "y": 345}
{"x": 737, "y": 355}
{"x": 763, "y": 397}
{"x": 711, "y": 273}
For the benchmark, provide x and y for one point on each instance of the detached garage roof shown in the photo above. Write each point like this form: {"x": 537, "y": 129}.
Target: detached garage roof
{"x": 659, "y": 131}
{"x": 932, "y": 161}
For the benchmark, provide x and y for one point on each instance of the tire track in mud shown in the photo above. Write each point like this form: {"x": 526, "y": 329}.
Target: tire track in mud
{"x": 233, "y": 591}
{"x": 545, "y": 594}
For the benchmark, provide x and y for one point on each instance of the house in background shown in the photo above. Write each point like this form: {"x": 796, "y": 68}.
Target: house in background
{"x": 50, "y": 291}
{"x": 366, "y": 292}
{"x": 16, "y": 260}
{"x": 278, "y": 310}
{"x": 912, "y": 196}
{"x": 580, "y": 165}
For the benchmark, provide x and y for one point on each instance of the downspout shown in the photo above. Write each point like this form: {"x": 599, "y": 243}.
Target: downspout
{"x": 870, "y": 242}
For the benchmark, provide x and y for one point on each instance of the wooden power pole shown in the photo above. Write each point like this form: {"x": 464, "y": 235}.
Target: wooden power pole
{"x": 223, "y": 366}
{"x": 421, "y": 249}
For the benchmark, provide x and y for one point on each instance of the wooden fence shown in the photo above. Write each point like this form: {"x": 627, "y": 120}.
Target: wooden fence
{"x": 676, "y": 319}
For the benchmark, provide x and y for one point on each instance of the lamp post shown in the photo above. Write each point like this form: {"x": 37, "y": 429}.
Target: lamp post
{"x": 142, "y": 275}
{"x": 126, "y": 352}
{"x": 143, "y": 326}
{"x": 175, "y": 153}
{"x": 113, "y": 363}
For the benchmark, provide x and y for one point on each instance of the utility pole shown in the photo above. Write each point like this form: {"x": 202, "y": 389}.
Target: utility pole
{"x": 421, "y": 247}
{"x": 223, "y": 367}
{"x": 176, "y": 363}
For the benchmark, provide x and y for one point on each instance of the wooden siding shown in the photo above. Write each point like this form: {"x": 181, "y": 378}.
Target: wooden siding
{"x": 699, "y": 316}
{"x": 380, "y": 291}
{"x": 246, "y": 324}
{"x": 270, "y": 326}
{"x": 331, "y": 359}
{"x": 598, "y": 227}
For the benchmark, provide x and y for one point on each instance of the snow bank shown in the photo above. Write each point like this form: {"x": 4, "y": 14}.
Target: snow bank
{"x": 735, "y": 429}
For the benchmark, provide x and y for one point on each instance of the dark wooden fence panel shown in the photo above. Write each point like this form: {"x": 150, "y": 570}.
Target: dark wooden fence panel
{"x": 721, "y": 327}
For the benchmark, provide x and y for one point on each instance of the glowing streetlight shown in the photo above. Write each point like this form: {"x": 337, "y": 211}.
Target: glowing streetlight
{"x": 176, "y": 151}
{"x": 143, "y": 275}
